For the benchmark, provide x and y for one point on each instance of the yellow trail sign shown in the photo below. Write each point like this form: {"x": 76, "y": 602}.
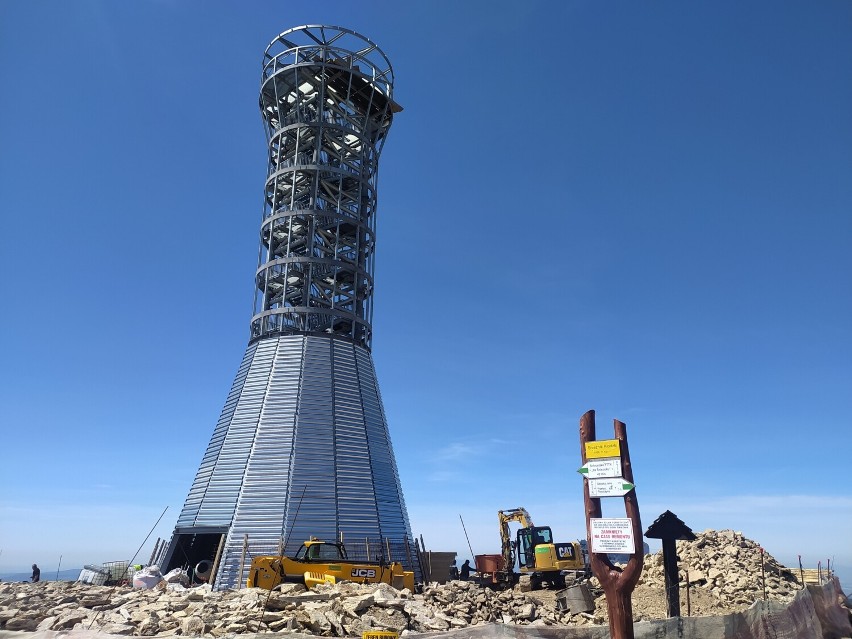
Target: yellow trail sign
{"x": 603, "y": 448}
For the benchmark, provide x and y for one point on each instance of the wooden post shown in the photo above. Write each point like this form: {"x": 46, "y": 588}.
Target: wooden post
{"x": 672, "y": 579}
{"x": 669, "y": 529}
{"x": 688, "y": 586}
{"x": 154, "y": 552}
{"x": 763, "y": 573}
{"x": 801, "y": 572}
{"x": 617, "y": 584}
{"x": 424, "y": 559}
{"x": 218, "y": 558}
{"x": 408, "y": 554}
{"x": 242, "y": 562}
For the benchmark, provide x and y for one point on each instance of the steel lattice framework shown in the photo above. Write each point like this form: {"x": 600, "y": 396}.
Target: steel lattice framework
{"x": 326, "y": 101}
{"x": 302, "y": 445}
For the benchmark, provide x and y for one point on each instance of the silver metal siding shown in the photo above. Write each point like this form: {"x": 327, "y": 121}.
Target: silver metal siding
{"x": 202, "y": 478}
{"x": 263, "y": 499}
{"x": 357, "y": 511}
{"x": 392, "y": 516}
{"x": 220, "y": 499}
{"x": 306, "y": 453}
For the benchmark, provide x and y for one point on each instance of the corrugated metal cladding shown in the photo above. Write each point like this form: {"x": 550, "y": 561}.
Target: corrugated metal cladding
{"x": 301, "y": 448}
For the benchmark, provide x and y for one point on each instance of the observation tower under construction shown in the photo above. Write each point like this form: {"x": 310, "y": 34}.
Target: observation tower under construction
{"x": 302, "y": 446}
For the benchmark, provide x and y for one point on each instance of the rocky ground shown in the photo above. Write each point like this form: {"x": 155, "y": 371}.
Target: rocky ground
{"x": 724, "y": 569}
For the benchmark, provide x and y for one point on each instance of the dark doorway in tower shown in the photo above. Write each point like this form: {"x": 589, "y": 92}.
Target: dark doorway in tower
{"x": 196, "y": 552}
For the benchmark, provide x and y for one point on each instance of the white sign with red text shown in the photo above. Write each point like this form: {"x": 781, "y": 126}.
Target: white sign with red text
{"x": 612, "y": 535}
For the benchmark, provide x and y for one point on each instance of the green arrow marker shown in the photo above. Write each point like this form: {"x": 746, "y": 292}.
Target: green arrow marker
{"x": 609, "y": 487}
{"x": 601, "y": 468}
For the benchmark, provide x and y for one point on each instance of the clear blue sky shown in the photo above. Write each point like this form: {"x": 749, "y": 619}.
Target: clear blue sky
{"x": 642, "y": 209}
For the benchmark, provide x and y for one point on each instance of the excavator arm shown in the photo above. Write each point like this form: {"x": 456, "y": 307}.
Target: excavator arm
{"x": 519, "y": 515}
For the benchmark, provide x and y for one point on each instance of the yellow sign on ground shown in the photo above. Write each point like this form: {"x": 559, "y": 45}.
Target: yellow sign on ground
{"x": 379, "y": 634}
{"x": 603, "y": 448}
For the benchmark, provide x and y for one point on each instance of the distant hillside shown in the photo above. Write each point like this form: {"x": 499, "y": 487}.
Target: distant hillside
{"x": 46, "y": 575}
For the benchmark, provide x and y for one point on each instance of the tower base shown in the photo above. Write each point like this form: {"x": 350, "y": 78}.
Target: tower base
{"x": 301, "y": 449}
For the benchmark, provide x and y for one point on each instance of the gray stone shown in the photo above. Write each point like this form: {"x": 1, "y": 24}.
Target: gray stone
{"x": 358, "y": 603}
{"x": 527, "y": 612}
{"x": 192, "y": 626}
{"x": 285, "y": 623}
{"x": 9, "y": 613}
{"x": 46, "y": 623}
{"x": 318, "y": 622}
{"x": 696, "y": 575}
{"x": 69, "y": 619}
{"x": 335, "y": 621}
{"x": 149, "y": 627}
{"x": 168, "y": 624}
{"x": 91, "y": 601}
{"x": 117, "y": 629}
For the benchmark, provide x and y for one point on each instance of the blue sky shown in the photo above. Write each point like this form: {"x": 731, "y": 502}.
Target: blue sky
{"x": 642, "y": 209}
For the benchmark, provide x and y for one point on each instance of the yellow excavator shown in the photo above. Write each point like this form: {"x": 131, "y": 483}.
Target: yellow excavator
{"x": 324, "y": 562}
{"x": 538, "y": 558}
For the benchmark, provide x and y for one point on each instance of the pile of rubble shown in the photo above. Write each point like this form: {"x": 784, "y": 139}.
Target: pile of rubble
{"x": 461, "y": 603}
{"x": 724, "y": 570}
{"x": 728, "y": 566}
{"x": 345, "y": 609}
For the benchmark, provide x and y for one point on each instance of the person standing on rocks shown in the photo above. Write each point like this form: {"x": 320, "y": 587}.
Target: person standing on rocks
{"x": 465, "y": 570}
{"x": 36, "y": 574}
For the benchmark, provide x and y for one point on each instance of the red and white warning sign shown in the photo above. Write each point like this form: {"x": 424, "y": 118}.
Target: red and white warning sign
{"x": 612, "y": 535}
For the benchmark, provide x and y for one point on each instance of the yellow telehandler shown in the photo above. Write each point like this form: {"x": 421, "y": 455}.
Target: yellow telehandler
{"x": 324, "y": 562}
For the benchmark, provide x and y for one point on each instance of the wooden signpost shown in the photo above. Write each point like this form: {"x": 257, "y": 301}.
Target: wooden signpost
{"x": 622, "y": 535}
{"x": 669, "y": 529}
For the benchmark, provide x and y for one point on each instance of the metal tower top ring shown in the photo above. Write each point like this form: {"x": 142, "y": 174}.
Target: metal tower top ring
{"x": 288, "y": 45}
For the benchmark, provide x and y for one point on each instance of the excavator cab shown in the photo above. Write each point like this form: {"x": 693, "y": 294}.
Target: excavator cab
{"x": 528, "y": 539}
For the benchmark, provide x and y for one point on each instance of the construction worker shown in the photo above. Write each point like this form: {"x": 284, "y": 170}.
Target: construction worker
{"x": 36, "y": 574}
{"x": 465, "y": 570}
